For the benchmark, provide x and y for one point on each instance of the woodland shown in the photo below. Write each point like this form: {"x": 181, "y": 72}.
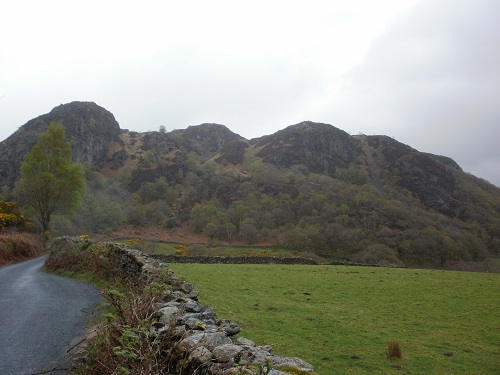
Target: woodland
{"x": 255, "y": 203}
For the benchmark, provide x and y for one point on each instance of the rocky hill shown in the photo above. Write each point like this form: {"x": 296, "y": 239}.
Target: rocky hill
{"x": 321, "y": 148}
{"x": 429, "y": 177}
{"x": 308, "y": 186}
{"x": 90, "y": 127}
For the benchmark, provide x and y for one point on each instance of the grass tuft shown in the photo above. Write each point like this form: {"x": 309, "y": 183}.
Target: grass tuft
{"x": 393, "y": 350}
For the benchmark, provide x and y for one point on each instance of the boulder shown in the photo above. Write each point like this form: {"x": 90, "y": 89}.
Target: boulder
{"x": 229, "y": 328}
{"x": 208, "y": 340}
{"x": 167, "y": 314}
{"x": 227, "y": 353}
{"x": 200, "y": 355}
{"x": 244, "y": 342}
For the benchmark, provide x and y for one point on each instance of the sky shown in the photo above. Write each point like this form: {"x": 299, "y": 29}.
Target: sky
{"x": 426, "y": 72}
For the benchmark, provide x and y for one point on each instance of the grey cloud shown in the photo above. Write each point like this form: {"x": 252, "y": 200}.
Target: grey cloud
{"x": 433, "y": 82}
{"x": 181, "y": 89}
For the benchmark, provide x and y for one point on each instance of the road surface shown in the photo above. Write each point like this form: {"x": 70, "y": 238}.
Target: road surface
{"x": 40, "y": 315}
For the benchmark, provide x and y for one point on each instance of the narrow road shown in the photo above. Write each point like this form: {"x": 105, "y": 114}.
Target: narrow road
{"x": 40, "y": 314}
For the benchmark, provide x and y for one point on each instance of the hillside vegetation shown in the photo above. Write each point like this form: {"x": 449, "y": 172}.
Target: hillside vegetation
{"x": 310, "y": 187}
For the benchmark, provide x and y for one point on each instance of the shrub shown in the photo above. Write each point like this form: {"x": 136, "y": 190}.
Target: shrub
{"x": 180, "y": 249}
{"x": 379, "y": 255}
{"x": 124, "y": 342}
{"x": 87, "y": 257}
{"x": 10, "y": 217}
{"x": 15, "y": 247}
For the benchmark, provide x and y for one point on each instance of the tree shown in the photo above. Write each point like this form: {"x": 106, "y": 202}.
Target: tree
{"x": 248, "y": 230}
{"x": 378, "y": 254}
{"x": 4, "y": 193}
{"x": 50, "y": 182}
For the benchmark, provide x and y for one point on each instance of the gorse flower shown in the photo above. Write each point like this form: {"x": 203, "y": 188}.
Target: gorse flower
{"x": 10, "y": 217}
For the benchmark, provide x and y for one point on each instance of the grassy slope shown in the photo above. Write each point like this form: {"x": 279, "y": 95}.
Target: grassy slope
{"x": 446, "y": 322}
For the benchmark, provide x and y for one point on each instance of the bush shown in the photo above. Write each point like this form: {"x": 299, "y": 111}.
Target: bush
{"x": 86, "y": 257}
{"x": 180, "y": 249}
{"x": 124, "y": 342}
{"x": 379, "y": 255}
{"x": 10, "y": 217}
{"x": 15, "y": 247}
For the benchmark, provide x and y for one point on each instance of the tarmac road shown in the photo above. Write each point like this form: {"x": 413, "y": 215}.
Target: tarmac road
{"x": 40, "y": 315}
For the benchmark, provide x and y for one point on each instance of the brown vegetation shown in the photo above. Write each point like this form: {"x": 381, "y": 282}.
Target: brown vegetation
{"x": 15, "y": 243}
{"x": 124, "y": 341}
{"x": 15, "y": 247}
{"x": 393, "y": 350}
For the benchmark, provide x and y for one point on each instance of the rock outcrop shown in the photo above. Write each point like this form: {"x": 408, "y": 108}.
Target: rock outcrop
{"x": 90, "y": 127}
{"x": 321, "y": 148}
{"x": 207, "y": 139}
{"x": 429, "y": 177}
{"x": 233, "y": 152}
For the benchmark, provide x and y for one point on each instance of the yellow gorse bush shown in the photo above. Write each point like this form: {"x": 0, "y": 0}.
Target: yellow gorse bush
{"x": 8, "y": 220}
{"x": 10, "y": 216}
{"x": 180, "y": 249}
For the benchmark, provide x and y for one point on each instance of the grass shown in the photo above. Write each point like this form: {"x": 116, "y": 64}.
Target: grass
{"x": 89, "y": 278}
{"x": 341, "y": 318}
{"x": 216, "y": 250}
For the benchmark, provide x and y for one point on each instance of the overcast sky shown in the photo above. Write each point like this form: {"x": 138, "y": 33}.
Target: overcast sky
{"x": 426, "y": 72}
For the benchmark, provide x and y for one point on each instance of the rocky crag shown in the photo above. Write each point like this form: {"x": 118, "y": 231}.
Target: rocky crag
{"x": 90, "y": 127}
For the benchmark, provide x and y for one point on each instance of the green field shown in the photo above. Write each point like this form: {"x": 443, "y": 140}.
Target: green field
{"x": 340, "y": 318}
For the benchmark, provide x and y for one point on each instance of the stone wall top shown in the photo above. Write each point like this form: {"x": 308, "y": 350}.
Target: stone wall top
{"x": 233, "y": 259}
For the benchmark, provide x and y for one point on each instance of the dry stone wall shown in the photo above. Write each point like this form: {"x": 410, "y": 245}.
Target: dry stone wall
{"x": 233, "y": 259}
{"x": 205, "y": 343}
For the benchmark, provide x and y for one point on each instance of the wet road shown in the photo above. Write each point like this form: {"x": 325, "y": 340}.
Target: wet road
{"x": 40, "y": 315}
